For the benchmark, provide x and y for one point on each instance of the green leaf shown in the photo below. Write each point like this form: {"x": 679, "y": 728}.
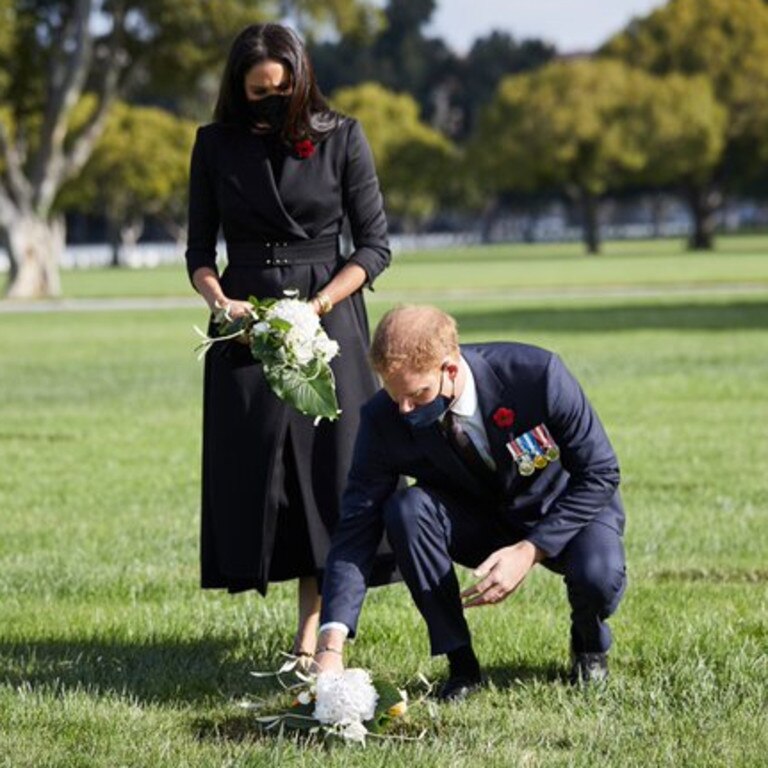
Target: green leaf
{"x": 313, "y": 397}
{"x": 261, "y": 348}
{"x": 279, "y": 324}
{"x": 226, "y": 327}
{"x": 388, "y": 696}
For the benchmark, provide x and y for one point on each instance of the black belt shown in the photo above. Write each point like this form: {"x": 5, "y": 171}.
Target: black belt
{"x": 283, "y": 253}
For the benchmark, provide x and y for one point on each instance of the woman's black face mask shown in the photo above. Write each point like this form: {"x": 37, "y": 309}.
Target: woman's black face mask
{"x": 271, "y": 111}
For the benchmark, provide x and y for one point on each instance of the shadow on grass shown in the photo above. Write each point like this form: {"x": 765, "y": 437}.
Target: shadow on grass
{"x": 244, "y": 728}
{"x": 503, "y": 676}
{"x": 153, "y": 672}
{"x": 691, "y": 316}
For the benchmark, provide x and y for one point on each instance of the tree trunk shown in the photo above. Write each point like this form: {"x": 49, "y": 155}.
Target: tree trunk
{"x": 704, "y": 202}
{"x": 488, "y": 219}
{"x": 658, "y": 209}
{"x": 589, "y": 209}
{"x": 115, "y": 244}
{"x": 34, "y": 249}
{"x": 130, "y": 232}
{"x": 529, "y": 224}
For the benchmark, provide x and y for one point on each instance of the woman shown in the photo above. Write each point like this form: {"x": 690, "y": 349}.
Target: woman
{"x": 278, "y": 170}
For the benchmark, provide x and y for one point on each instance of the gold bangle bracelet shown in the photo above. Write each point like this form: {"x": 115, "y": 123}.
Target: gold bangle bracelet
{"x": 324, "y": 302}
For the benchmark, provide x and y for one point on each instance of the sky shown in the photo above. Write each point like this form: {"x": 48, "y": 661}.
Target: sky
{"x": 572, "y": 25}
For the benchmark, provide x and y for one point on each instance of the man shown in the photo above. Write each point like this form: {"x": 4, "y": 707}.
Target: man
{"x": 512, "y": 468}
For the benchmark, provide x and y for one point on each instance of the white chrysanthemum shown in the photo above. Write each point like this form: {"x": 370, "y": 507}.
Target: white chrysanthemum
{"x": 299, "y": 314}
{"x": 260, "y": 328}
{"x": 303, "y": 349}
{"x": 326, "y": 348}
{"x": 345, "y": 697}
{"x": 354, "y": 732}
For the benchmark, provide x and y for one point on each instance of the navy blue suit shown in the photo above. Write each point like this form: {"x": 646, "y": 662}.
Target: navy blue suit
{"x": 571, "y": 509}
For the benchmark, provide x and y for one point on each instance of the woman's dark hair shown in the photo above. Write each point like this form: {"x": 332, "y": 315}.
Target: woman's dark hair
{"x": 309, "y": 116}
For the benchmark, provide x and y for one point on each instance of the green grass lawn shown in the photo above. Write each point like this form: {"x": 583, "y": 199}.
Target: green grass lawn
{"x": 111, "y": 656}
{"x": 500, "y": 268}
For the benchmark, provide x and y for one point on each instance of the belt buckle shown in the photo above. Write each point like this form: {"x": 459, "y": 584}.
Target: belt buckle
{"x": 276, "y": 261}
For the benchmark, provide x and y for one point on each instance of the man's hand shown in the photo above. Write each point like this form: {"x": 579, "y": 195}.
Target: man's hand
{"x": 329, "y": 656}
{"x": 502, "y": 573}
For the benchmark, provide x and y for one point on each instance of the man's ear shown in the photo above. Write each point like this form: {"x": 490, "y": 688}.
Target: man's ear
{"x": 451, "y": 368}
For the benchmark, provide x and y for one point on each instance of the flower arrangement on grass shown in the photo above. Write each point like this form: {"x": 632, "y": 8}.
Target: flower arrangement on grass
{"x": 286, "y": 336}
{"x": 349, "y": 705}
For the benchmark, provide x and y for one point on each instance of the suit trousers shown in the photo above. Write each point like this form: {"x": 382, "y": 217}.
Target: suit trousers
{"x": 429, "y": 531}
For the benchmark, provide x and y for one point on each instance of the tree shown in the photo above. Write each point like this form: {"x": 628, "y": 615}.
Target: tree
{"x": 449, "y": 88}
{"x": 413, "y": 160}
{"x": 725, "y": 41}
{"x": 588, "y": 127}
{"x": 398, "y": 55}
{"x": 490, "y": 59}
{"x": 138, "y": 168}
{"x": 54, "y": 52}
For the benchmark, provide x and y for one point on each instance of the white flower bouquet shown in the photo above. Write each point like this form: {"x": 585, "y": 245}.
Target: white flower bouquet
{"x": 285, "y": 335}
{"x": 350, "y": 705}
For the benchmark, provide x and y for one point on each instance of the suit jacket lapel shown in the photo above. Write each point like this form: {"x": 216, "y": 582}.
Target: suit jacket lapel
{"x": 492, "y": 393}
{"x": 263, "y": 195}
{"x": 277, "y": 197}
{"x": 433, "y": 443}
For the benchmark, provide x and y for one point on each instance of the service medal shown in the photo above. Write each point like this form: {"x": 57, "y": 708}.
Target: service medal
{"x": 533, "y": 449}
{"x": 525, "y": 466}
{"x": 551, "y": 451}
{"x": 522, "y": 459}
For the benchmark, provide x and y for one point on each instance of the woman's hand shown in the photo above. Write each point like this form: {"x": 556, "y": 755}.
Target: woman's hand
{"x": 233, "y": 308}
{"x": 321, "y": 303}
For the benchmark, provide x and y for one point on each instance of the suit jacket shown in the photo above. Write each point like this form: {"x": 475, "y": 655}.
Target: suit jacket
{"x": 549, "y": 507}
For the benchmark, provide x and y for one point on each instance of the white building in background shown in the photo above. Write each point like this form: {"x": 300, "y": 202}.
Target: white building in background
{"x": 651, "y": 216}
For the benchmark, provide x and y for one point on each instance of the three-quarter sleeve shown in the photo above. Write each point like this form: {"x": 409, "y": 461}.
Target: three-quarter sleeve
{"x": 203, "y": 221}
{"x": 364, "y": 206}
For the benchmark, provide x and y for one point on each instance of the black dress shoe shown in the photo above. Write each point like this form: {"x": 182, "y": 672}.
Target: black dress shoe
{"x": 458, "y": 687}
{"x": 588, "y": 668}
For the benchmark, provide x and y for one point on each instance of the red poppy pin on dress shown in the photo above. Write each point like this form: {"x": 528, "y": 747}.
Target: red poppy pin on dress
{"x": 304, "y": 149}
{"x": 504, "y": 418}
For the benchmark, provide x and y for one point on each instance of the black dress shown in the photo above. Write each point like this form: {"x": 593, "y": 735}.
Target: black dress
{"x": 271, "y": 480}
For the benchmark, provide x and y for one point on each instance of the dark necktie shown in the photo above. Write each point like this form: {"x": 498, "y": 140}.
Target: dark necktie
{"x": 465, "y": 449}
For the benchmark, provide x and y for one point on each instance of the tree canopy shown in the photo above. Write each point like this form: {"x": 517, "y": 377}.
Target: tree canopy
{"x": 55, "y": 52}
{"x": 590, "y": 126}
{"x": 402, "y": 57}
{"x": 138, "y": 168}
{"x": 726, "y": 42}
{"x": 413, "y": 160}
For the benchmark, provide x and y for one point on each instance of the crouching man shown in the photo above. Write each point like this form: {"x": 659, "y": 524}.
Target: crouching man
{"x": 512, "y": 469}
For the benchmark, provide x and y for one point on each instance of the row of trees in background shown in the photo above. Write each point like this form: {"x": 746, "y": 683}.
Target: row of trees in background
{"x": 677, "y": 101}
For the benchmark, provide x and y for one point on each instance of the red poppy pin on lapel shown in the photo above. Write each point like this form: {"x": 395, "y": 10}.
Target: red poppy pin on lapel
{"x": 304, "y": 149}
{"x": 504, "y": 418}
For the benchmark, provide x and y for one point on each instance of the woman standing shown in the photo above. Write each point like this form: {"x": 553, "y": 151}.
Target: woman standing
{"x": 278, "y": 171}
